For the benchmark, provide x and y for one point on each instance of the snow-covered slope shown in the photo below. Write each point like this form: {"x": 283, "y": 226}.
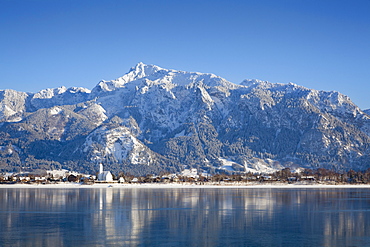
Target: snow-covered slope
{"x": 12, "y": 105}
{"x": 58, "y": 96}
{"x": 118, "y": 144}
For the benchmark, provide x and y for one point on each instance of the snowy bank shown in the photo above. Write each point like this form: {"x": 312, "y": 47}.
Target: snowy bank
{"x": 174, "y": 185}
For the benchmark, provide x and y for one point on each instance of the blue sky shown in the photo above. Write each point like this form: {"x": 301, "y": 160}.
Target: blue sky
{"x": 319, "y": 44}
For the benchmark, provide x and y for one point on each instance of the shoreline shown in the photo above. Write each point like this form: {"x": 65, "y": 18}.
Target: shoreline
{"x": 169, "y": 186}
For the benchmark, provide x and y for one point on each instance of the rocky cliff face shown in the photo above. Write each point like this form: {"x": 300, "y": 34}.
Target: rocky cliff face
{"x": 153, "y": 119}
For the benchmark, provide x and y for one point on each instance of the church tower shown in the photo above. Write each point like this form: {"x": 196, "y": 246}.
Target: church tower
{"x": 101, "y": 170}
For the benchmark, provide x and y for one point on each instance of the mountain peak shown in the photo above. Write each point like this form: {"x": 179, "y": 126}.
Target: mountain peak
{"x": 158, "y": 75}
{"x": 140, "y": 71}
{"x": 143, "y": 70}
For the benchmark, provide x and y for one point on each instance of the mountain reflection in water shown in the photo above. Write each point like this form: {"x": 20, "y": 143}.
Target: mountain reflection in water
{"x": 184, "y": 217}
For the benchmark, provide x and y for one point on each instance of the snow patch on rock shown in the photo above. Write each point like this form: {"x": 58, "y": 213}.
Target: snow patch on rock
{"x": 55, "y": 110}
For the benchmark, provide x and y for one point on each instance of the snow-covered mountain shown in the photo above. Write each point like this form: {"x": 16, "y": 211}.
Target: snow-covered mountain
{"x": 153, "y": 119}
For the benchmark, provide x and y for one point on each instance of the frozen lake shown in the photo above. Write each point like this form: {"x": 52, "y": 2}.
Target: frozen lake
{"x": 185, "y": 217}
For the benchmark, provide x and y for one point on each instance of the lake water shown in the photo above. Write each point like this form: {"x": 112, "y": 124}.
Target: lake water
{"x": 184, "y": 217}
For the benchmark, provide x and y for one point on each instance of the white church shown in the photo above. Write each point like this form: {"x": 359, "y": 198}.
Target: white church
{"x": 104, "y": 176}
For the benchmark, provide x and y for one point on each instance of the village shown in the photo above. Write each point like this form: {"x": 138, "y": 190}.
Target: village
{"x": 190, "y": 176}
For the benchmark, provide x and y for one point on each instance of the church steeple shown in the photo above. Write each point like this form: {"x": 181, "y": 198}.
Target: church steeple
{"x": 101, "y": 170}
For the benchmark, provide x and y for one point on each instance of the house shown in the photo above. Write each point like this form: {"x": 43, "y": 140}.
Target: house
{"x": 104, "y": 176}
{"x": 58, "y": 174}
{"x": 8, "y": 175}
{"x": 190, "y": 173}
{"x": 309, "y": 178}
{"x": 266, "y": 178}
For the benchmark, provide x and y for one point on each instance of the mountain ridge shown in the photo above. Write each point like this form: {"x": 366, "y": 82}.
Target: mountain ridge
{"x": 154, "y": 119}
